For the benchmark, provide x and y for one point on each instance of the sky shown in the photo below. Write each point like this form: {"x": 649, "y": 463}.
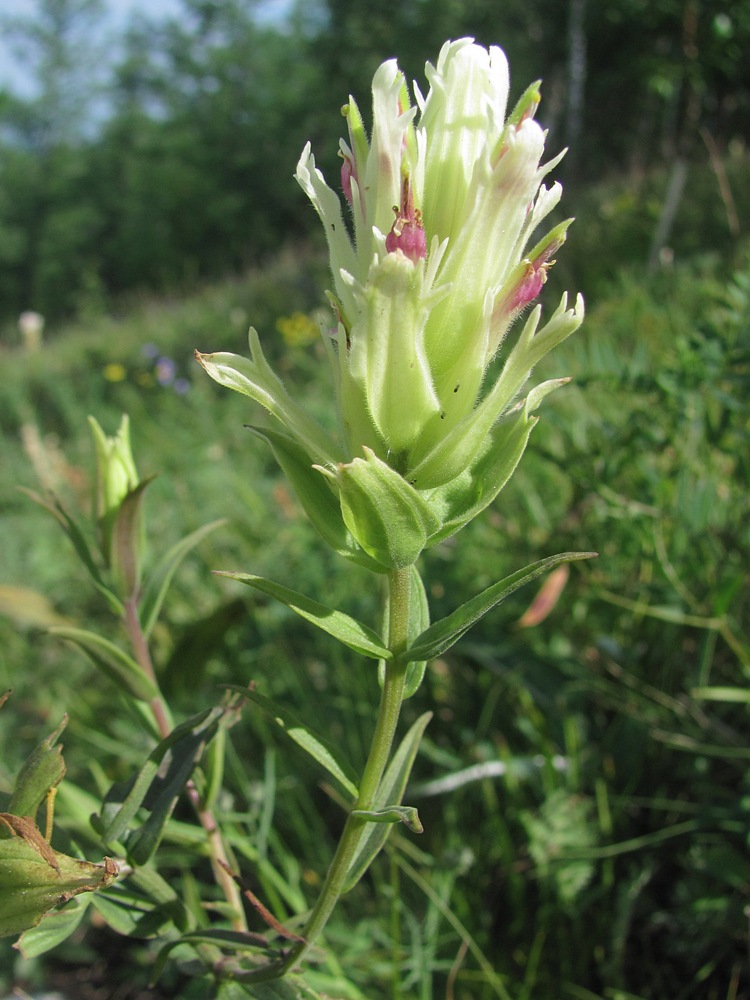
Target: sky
{"x": 12, "y": 72}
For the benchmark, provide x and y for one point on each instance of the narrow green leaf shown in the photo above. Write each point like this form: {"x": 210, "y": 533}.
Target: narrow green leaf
{"x": 288, "y": 988}
{"x": 144, "y": 906}
{"x": 112, "y": 661}
{"x": 43, "y": 770}
{"x": 347, "y": 630}
{"x": 158, "y": 890}
{"x": 407, "y": 815}
{"x": 53, "y": 506}
{"x": 311, "y": 742}
{"x": 228, "y": 941}
{"x": 158, "y": 581}
{"x": 129, "y": 914}
{"x": 388, "y": 796}
{"x": 157, "y": 787}
{"x": 54, "y": 928}
{"x": 462, "y": 499}
{"x": 729, "y": 694}
{"x": 441, "y": 635}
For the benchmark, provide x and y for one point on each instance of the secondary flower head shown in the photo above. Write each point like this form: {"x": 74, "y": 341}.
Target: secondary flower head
{"x": 445, "y": 197}
{"x": 119, "y": 492}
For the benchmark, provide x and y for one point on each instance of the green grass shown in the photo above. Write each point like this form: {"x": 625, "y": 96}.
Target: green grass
{"x": 610, "y": 860}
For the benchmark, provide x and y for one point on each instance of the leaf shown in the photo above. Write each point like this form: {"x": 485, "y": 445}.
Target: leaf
{"x": 440, "y": 636}
{"x": 157, "y": 584}
{"x": 388, "y": 796}
{"x": 33, "y": 882}
{"x": 28, "y": 607}
{"x": 78, "y": 540}
{"x": 112, "y": 661}
{"x": 227, "y": 940}
{"x": 288, "y": 988}
{"x": 407, "y": 815}
{"x": 156, "y": 787}
{"x": 54, "y": 928}
{"x": 185, "y": 747}
{"x": 728, "y": 694}
{"x": 143, "y": 906}
{"x": 313, "y": 744}
{"x": 43, "y": 770}
{"x": 347, "y": 630}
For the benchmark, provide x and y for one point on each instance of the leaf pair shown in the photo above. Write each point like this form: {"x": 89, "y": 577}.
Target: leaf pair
{"x": 431, "y": 641}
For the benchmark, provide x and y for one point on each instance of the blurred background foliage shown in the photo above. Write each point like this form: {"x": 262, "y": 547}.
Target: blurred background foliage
{"x": 583, "y": 784}
{"x": 163, "y": 156}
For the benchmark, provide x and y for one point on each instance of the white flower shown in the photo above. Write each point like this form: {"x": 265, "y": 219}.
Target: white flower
{"x": 430, "y": 271}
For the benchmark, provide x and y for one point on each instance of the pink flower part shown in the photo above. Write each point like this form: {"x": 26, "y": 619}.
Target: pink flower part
{"x": 530, "y": 286}
{"x": 348, "y": 171}
{"x": 407, "y": 234}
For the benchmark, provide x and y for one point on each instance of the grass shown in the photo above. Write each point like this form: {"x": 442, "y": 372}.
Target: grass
{"x": 609, "y": 859}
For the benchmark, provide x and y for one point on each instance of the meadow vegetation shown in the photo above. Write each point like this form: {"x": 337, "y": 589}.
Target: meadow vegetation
{"x": 583, "y": 783}
{"x": 609, "y": 859}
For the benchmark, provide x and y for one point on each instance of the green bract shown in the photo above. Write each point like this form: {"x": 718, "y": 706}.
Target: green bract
{"x": 445, "y": 198}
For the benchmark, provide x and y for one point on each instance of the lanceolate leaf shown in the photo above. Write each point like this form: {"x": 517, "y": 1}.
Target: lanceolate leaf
{"x": 143, "y": 905}
{"x": 311, "y": 742}
{"x": 43, "y": 771}
{"x": 352, "y": 633}
{"x": 157, "y": 787}
{"x": 158, "y": 581}
{"x": 388, "y": 797}
{"x": 78, "y": 540}
{"x": 111, "y": 660}
{"x": 441, "y": 635}
{"x": 288, "y": 988}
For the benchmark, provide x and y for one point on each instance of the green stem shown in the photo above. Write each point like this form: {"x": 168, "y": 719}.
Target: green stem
{"x": 380, "y": 749}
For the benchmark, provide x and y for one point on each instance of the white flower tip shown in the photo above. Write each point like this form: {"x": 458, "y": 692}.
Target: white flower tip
{"x": 305, "y": 157}
{"x": 538, "y": 393}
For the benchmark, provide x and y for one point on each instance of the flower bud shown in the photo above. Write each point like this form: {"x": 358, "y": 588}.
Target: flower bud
{"x": 118, "y": 506}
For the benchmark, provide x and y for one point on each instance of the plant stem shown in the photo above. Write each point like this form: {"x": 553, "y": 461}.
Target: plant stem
{"x": 217, "y": 851}
{"x": 391, "y": 697}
